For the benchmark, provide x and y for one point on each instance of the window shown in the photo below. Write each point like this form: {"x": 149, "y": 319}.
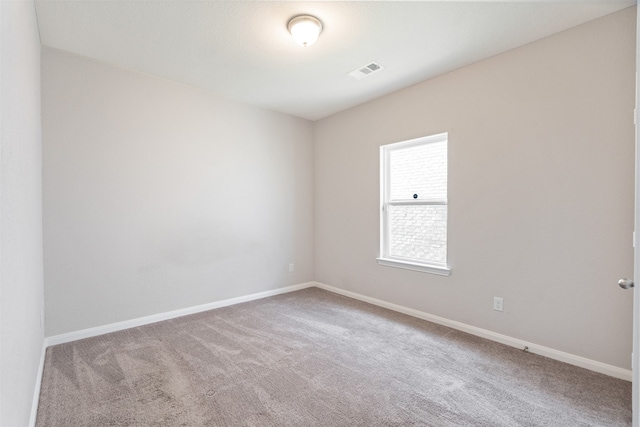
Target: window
{"x": 413, "y": 198}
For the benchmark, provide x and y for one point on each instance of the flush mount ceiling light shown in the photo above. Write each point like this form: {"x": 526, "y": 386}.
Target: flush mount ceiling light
{"x": 305, "y": 29}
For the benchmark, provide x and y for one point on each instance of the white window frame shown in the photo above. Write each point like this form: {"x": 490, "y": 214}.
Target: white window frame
{"x": 385, "y": 193}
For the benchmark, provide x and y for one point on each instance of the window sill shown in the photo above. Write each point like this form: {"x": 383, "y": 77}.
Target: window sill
{"x": 425, "y": 268}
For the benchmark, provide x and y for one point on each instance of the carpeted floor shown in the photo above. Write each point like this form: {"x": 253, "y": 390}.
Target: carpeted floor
{"x": 314, "y": 358}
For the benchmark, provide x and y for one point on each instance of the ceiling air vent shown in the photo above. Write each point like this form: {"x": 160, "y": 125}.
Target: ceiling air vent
{"x": 365, "y": 71}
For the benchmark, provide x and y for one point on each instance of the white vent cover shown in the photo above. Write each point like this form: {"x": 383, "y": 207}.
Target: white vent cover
{"x": 367, "y": 70}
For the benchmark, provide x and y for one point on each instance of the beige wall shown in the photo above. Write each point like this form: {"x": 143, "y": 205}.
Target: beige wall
{"x": 541, "y": 149}
{"x": 159, "y": 196}
{"x": 21, "y": 277}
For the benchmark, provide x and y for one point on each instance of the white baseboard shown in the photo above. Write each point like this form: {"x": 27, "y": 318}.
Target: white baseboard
{"x": 551, "y": 353}
{"x": 113, "y": 327}
{"x": 38, "y": 385}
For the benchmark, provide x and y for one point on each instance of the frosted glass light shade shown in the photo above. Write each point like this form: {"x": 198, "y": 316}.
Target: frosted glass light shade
{"x": 305, "y": 29}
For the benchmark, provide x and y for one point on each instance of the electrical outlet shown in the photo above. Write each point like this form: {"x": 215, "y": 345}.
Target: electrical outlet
{"x": 498, "y": 303}
{"x": 291, "y": 268}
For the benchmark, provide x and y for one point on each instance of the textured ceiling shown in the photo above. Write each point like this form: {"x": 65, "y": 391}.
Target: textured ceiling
{"x": 242, "y": 50}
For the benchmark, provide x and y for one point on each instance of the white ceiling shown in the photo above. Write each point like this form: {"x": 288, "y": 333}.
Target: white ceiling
{"x": 242, "y": 50}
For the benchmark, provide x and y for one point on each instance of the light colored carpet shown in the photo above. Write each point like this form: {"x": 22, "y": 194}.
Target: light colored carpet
{"x": 314, "y": 358}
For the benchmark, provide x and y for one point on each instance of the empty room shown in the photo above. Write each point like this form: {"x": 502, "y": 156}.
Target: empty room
{"x": 256, "y": 213}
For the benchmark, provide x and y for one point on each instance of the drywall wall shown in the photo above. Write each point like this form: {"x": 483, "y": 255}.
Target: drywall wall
{"x": 541, "y": 170}
{"x": 158, "y": 196}
{"x": 21, "y": 278}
